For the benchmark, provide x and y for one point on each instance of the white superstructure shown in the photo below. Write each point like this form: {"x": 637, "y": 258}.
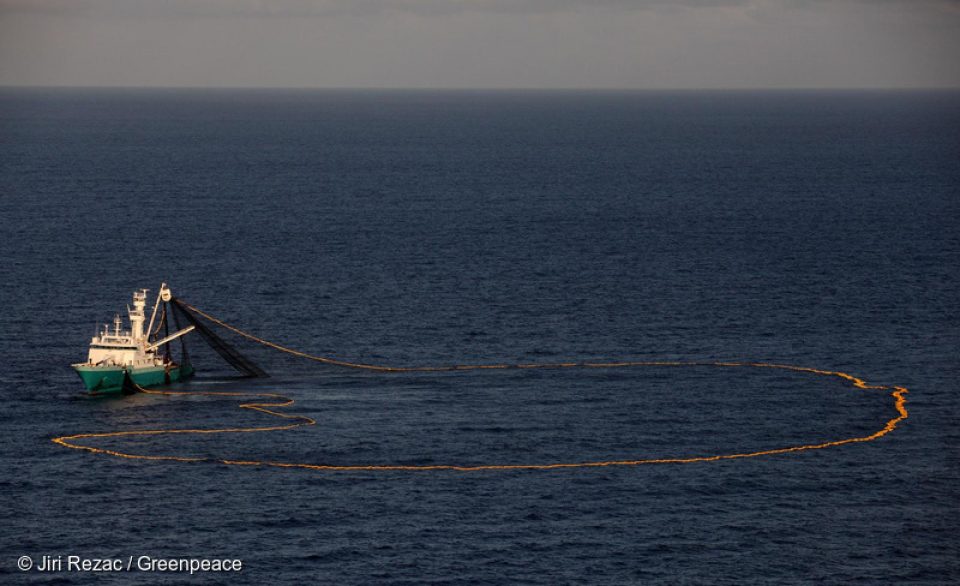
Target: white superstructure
{"x": 132, "y": 348}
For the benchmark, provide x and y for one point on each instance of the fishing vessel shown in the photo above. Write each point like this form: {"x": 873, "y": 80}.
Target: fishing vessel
{"x": 117, "y": 357}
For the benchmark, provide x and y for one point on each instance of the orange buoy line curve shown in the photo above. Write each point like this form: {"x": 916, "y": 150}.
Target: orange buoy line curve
{"x": 272, "y": 401}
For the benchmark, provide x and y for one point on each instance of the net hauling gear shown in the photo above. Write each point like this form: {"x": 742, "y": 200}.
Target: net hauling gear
{"x": 226, "y": 351}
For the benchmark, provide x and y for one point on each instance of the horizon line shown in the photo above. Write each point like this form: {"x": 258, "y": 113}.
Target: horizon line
{"x": 4, "y": 86}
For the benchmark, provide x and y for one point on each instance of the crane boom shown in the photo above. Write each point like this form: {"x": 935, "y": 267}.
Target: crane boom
{"x": 170, "y": 338}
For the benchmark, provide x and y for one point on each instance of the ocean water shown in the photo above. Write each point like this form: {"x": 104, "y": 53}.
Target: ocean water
{"x": 820, "y": 229}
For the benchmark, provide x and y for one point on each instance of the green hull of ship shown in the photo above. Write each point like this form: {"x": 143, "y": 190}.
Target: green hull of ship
{"x": 104, "y": 380}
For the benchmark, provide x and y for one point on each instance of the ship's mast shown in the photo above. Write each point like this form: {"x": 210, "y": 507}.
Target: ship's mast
{"x": 162, "y": 295}
{"x": 137, "y": 315}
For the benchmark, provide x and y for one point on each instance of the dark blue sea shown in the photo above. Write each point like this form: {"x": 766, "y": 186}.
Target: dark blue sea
{"x": 417, "y": 228}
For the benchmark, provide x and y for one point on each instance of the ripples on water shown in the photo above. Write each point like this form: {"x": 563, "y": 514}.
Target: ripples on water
{"x": 417, "y": 228}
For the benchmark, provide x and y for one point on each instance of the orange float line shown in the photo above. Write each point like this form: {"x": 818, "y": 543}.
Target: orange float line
{"x": 71, "y": 441}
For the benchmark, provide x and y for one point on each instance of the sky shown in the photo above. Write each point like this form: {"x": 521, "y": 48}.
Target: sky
{"x": 642, "y": 44}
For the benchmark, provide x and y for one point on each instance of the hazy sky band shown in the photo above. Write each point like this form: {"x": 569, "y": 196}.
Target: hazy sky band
{"x": 481, "y": 43}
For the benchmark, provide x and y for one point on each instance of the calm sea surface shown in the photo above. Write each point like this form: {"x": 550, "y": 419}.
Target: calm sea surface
{"x": 430, "y": 228}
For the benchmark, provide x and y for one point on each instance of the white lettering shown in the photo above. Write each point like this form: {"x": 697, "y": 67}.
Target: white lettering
{"x": 146, "y": 563}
